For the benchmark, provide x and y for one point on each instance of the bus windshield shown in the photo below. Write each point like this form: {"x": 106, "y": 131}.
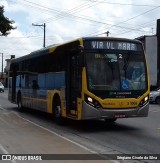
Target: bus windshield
{"x": 121, "y": 72}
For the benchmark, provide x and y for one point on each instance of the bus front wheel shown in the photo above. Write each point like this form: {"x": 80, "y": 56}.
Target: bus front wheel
{"x": 110, "y": 120}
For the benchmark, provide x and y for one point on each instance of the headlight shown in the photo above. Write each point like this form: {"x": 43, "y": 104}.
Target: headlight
{"x": 144, "y": 101}
{"x": 91, "y": 101}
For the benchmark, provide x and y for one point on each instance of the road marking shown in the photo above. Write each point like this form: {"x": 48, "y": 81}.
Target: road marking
{"x": 158, "y": 129}
{"x": 4, "y": 121}
{"x": 55, "y": 133}
{"x": 81, "y": 146}
{"x": 58, "y": 134}
{"x": 1, "y": 107}
{"x": 154, "y": 111}
{"x": 5, "y": 152}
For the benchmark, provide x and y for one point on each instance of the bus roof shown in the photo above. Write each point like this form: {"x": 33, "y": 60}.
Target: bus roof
{"x": 110, "y": 38}
{"x": 51, "y": 48}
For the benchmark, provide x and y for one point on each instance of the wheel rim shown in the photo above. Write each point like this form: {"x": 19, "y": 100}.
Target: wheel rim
{"x": 158, "y": 101}
{"x": 57, "y": 111}
{"x": 19, "y": 103}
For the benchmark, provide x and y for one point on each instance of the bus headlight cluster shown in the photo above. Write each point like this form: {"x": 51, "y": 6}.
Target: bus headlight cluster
{"x": 144, "y": 101}
{"x": 146, "y": 98}
{"x": 92, "y": 102}
{"x": 90, "y": 99}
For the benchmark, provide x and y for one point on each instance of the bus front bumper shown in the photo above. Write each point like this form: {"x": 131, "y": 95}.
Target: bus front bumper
{"x": 90, "y": 112}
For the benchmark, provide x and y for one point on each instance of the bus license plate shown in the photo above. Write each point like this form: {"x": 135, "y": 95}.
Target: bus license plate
{"x": 120, "y": 116}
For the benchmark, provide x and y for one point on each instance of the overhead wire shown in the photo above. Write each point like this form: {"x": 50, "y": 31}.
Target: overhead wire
{"x": 32, "y": 29}
{"x": 144, "y": 25}
{"x": 116, "y": 25}
{"x": 64, "y": 14}
{"x": 46, "y": 9}
{"x": 55, "y": 11}
{"x": 134, "y": 17}
{"x": 125, "y": 4}
{"x": 71, "y": 13}
{"x": 83, "y": 18}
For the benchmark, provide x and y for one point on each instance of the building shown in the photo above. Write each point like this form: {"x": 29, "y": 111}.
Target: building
{"x": 152, "y": 49}
{"x": 6, "y": 70}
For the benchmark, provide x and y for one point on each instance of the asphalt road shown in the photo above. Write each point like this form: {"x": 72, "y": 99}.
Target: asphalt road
{"x": 126, "y": 136}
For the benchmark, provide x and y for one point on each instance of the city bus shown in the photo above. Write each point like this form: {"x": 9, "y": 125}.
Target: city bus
{"x": 87, "y": 78}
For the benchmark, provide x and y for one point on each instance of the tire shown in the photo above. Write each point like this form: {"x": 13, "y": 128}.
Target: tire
{"x": 157, "y": 100}
{"x": 111, "y": 120}
{"x": 19, "y": 103}
{"x": 57, "y": 112}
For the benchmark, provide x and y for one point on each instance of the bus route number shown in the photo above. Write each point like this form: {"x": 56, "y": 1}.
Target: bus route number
{"x": 133, "y": 103}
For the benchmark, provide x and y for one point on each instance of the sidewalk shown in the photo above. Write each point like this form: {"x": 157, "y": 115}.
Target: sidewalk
{"x": 20, "y": 136}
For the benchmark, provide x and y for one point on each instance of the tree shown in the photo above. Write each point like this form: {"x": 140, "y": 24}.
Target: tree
{"x": 5, "y": 23}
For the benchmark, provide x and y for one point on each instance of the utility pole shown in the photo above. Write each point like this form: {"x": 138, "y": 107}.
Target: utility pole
{"x": 2, "y": 66}
{"x": 44, "y": 28}
{"x": 107, "y": 33}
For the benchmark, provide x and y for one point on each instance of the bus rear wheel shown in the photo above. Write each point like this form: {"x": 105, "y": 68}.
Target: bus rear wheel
{"x": 19, "y": 103}
{"x": 57, "y": 113}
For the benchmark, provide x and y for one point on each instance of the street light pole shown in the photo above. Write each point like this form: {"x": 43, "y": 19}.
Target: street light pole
{"x": 44, "y": 28}
{"x": 44, "y": 38}
{"x": 107, "y": 33}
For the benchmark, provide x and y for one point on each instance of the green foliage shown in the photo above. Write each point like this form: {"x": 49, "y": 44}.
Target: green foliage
{"x": 5, "y": 23}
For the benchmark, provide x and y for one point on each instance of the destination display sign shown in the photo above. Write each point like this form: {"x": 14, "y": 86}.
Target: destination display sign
{"x": 113, "y": 45}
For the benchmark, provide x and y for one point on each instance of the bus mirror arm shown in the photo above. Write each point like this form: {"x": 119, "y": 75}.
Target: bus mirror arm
{"x": 81, "y": 48}
{"x": 81, "y": 59}
{"x": 81, "y": 52}
{"x": 77, "y": 50}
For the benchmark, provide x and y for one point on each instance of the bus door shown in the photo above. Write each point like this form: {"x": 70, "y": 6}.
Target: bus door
{"x": 74, "y": 80}
{"x": 12, "y": 89}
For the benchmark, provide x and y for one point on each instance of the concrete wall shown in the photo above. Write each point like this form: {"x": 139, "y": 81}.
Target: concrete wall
{"x": 151, "y": 54}
{"x": 158, "y": 49}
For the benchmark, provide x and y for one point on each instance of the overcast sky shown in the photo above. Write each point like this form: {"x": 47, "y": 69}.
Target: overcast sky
{"x": 69, "y": 19}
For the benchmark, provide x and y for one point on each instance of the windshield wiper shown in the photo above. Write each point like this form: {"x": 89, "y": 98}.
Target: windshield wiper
{"x": 110, "y": 64}
{"x": 126, "y": 63}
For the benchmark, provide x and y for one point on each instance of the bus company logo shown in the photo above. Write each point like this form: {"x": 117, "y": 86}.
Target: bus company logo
{"x": 109, "y": 103}
{"x": 6, "y": 157}
{"x": 120, "y": 103}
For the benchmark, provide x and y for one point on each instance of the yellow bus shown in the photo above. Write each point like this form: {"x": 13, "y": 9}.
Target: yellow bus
{"x": 87, "y": 78}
